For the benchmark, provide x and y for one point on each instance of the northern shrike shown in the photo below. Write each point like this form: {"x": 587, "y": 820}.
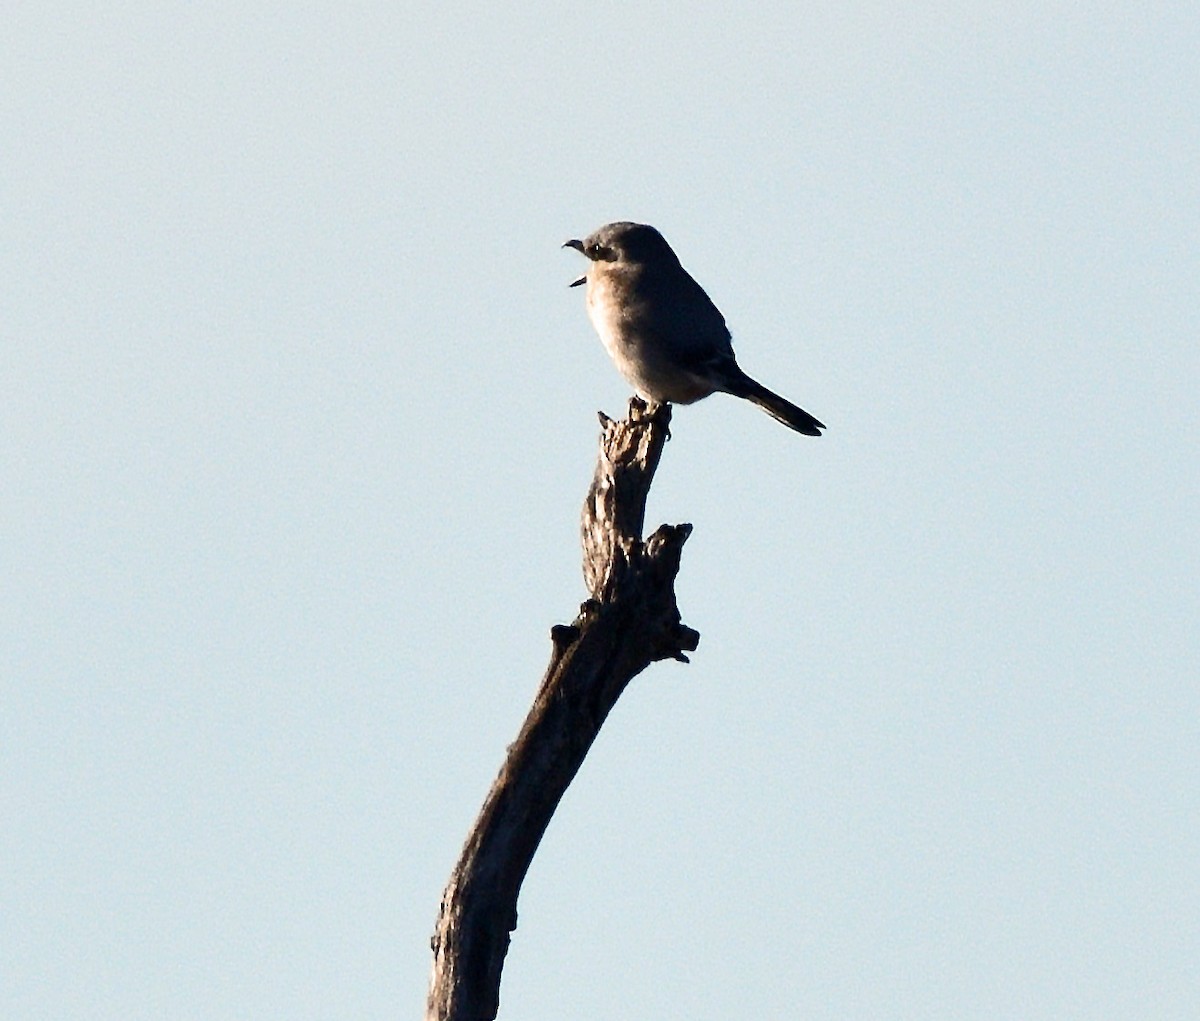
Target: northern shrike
{"x": 665, "y": 335}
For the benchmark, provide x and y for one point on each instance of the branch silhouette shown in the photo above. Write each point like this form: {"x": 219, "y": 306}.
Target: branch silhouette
{"x": 630, "y": 621}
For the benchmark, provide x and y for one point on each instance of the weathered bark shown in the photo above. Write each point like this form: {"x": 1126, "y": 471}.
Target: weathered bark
{"x": 630, "y": 622}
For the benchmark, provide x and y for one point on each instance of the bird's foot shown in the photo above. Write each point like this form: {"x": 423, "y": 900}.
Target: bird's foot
{"x": 651, "y": 411}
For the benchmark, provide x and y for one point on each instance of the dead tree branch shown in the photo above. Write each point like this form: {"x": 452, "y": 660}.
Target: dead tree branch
{"x": 630, "y": 621}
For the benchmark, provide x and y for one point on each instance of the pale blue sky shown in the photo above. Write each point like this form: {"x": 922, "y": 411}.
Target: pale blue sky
{"x": 298, "y": 413}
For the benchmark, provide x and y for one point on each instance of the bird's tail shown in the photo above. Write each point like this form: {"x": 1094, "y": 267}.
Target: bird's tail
{"x": 736, "y": 382}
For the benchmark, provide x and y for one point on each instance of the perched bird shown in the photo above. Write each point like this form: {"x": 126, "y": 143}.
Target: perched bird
{"x": 665, "y": 335}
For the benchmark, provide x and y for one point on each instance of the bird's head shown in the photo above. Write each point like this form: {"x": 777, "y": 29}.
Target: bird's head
{"x": 624, "y": 243}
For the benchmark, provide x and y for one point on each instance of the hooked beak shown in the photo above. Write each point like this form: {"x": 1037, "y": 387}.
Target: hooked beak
{"x": 578, "y": 246}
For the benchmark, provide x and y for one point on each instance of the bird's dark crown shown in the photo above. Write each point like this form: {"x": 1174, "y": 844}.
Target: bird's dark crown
{"x": 627, "y": 242}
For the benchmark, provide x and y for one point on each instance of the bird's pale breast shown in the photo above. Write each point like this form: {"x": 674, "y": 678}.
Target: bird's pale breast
{"x": 644, "y": 362}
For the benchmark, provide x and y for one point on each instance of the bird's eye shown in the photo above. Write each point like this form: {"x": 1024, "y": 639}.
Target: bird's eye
{"x": 597, "y": 252}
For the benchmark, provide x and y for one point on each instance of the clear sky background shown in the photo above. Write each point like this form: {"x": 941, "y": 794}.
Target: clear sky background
{"x": 298, "y": 413}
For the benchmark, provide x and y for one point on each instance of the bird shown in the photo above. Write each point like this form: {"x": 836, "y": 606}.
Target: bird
{"x": 661, "y": 329}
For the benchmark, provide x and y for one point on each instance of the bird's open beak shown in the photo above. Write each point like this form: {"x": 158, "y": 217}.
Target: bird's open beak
{"x": 578, "y": 246}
